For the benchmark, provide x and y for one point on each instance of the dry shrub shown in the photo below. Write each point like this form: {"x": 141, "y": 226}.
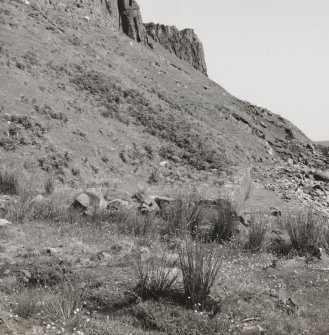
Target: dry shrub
{"x": 307, "y": 231}
{"x": 181, "y": 216}
{"x": 157, "y": 278}
{"x": 9, "y": 180}
{"x": 200, "y": 264}
{"x": 209, "y": 220}
{"x": 64, "y": 305}
{"x": 134, "y": 223}
{"x": 224, "y": 217}
{"x": 49, "y": 184}
{"x": 27, "y": 303}
{"x": 257, "y": 233}
{"x": 22, "y": 209}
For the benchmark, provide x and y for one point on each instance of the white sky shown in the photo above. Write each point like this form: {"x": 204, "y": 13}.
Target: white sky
{"x": 274, "y": 53}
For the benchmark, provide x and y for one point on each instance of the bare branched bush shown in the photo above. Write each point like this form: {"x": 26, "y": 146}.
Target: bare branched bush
{"x": 200, "y": 264}
{"x": 307, "y": 231}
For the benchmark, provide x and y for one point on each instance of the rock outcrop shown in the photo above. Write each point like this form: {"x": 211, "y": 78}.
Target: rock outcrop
{"x": 125, "y": 15}
{"x": 121, "y": 14}
{"x": 185, "y": 44}
{"x": 131, "y": 22}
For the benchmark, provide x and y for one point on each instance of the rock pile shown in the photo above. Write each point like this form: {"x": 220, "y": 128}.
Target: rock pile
{"x": 302, "y": 184}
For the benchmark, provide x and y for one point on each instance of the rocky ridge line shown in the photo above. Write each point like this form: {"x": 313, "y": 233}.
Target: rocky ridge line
{"x": 185, "y": 44}
{"x": 125, "y": 16}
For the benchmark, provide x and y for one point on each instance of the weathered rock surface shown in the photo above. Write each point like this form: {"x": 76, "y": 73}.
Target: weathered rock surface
{"x": 185, "y": 44}
{"x": 131, "y": 22}
{"x": 89, "y": 203}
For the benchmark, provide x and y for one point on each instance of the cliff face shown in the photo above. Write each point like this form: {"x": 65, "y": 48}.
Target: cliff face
{"x": 131, "y": 22}
{"x": 183, "y": 43}
{"x": 125, "y": 15}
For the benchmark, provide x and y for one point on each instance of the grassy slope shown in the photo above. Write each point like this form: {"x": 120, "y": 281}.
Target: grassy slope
{"x": 147, "y": 104}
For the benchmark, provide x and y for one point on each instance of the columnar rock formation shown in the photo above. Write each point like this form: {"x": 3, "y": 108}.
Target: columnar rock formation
{"x": 131, "y": 22}
{"x": 183, "y": 43}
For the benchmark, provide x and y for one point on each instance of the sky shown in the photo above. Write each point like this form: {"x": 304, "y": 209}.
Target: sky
{"x": 273, "y": 53}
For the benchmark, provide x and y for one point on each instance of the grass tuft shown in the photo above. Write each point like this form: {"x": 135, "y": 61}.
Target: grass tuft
{"x": 9, "y": 181}
{"x": 307, "y": 231}
{"x": 257, "y": 233}
{"x": 200, "y": 265}
{"x": 157, "y": 278}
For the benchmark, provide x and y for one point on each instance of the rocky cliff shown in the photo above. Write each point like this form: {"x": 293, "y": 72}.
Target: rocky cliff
{"x": 185, "y": 44}
{"x": 125, "y": 15}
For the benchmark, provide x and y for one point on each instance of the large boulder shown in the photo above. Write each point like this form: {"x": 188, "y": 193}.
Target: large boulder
{"x": 89, "y": 203}
{"x": 146, "y": 203}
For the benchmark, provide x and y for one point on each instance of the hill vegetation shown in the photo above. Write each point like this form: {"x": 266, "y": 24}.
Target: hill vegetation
{"x": 137, "y": 196}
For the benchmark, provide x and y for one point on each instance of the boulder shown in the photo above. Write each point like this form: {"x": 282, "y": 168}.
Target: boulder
{"x": 146, "y": 203}
{"x": 4, "y": 223}
{"x": 88, "y": 203}
{"x": 117, "y": 204}
{"x": 321, "y": 176}
{"x": 253, "y": 330}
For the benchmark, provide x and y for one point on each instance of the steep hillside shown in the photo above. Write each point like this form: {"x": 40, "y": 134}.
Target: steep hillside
{"x": 86, "y": 94}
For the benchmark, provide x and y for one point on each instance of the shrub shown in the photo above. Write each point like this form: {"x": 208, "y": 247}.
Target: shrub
{"x": 134, "y": 223}
{"x": 157, "y": 278}
{"x": 49, "y": 184}
{"x": 307, "y": 231}
{"x": 200, "y": 265}
{"x": 26, "y": 303}
{"x": 23, "y": 208}
{"x": 9, "y": 181}
{"x": 154, "y": 178}
{"x": 223, "y": 219}
{"x": 257, "y": 232}
{"x": 181, "y": 216}
{"x": 65, "y": 305}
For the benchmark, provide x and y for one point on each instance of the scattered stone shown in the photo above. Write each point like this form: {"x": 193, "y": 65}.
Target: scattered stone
{"x": 275, "y": 212}
{"x": 26, "y": 276}
{"x": 50, "y": 251}
{"x": 253, "y": 330}
{"x": 117, "y": 204}
{"x": 290, "y": 161}
{"x": 104, "y": 256}
{"x": 4, "y": 223}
